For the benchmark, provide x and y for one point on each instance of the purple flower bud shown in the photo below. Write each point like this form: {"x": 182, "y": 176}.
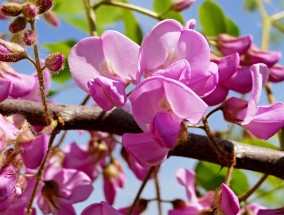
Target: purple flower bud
{"x": 18, "y": 24}
{"x": 230, "y": 45}
{"x": 44, "y": 5}
{"x": 30, "y": 37}
{"x": 256, "y": 55}
{"x": 180, "y": 5}
{"x": 29, "y": 11}
{"x": 55, "y": 62}
{"x": 11, "y": 9}
{"x": 51, "y": 18}
{"x": 11, "y": 52}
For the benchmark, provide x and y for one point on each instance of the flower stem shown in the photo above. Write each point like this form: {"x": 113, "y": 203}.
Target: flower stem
{"x": 91, "y": 17}
{"x": 129, "y": 7}
{"x": 40, "y": 172}
{"x": 247, "y": 194}
{"x": 158, "y": 191}
{"x": 40, "y": 78}
{"x": 149, "y": 173}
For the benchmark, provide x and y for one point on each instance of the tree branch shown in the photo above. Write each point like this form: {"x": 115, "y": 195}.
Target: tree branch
{"x": 248, "y": 157}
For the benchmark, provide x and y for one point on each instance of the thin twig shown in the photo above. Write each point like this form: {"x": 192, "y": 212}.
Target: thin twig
{"x": 157, "y": 186}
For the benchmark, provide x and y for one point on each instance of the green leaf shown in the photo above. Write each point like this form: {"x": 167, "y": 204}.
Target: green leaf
{"x": 63, "y": 47}
{"x": 231, "y": 27}
{"x": 163, "y": 7}
{"x": 132, "y": 28}
{"x": 259, "y": 142}
{"x": 212, "y": 18}
{"x": 70, "y": 7}
{"x": 210, "y": 176}
{"x": 77, "y": 21}
{"x": 160, "y": 6}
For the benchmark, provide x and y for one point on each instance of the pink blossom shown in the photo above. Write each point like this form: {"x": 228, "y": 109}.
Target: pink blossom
{"x": 167, "y": 43}
{"x": 194, "y": 205}
{"x": 261, "y": 121}
{"x": 229, "y": 201}
{"x": 64, "y": 188}
{"x": 227, "y": 67}
{"x": 101, "y": 208}
{"x": 107, "y": 92}
{"x": 161, "y": 93}
{"x": 228, "y": 44}
{"x": 253, "y": 208}
{"x": 277, "y": 211}
{"x": 180, "y": 5}
{"x": 276, "y": 73}
{"x": 113, "y": 56}
{"x": 114, "y": 178}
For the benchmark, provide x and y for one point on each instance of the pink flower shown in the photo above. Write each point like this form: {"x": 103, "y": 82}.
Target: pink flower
{"x": 276, "y": 73}
{"x": 194, "y": 205}
{"x": 107, "y": 92}
{"x": 113, "y": 56}
{"x": 101, "y": 208}
{"x": 261, "y": 121}
{"x": 228, "y": 44}
{"x": 167, "y": 43}
{"x": 229, "y": 201}
{"x": 180, "y": 5}
{"x": 114, "y": 179}
{"x": 66, "y": 187}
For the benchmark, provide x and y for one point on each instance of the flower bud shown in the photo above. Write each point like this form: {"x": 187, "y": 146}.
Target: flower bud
{"x": 44, "y": 5}
{"x": 18, "y": 24}
{"x": 30, "y": 37}
{"x": 178, "y": 204}
{"x": 230, "y": 45}
{"x": 55, "y": 62}
{"x": 29, "y": 11}
{"x": 255, "y": 55}
{"x": 11, "y": 9}
{"x": 180, "y": 5}
{"x": 51, "y": 18}
{"x": 11, "y": 52}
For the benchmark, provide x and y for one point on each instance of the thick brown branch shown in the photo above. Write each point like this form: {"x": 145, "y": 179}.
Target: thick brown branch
{"x": 248, "y": 157}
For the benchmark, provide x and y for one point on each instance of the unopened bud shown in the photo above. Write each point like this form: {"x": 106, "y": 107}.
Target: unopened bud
{"x": 11, "y": 52}
{"x": 30, "y": 37}
{"x": 11, "y": 9}
{"x": 51, "y": 18}
{"x": 55, "y": 62}
{"x": 178, "y": 204}
{"x": 180, "y": 5}
{"x": 111, "y": 171}
{"x": 44, "y": 5}
{"x": 18, "y": 24}
{"x": 29, "y": 11}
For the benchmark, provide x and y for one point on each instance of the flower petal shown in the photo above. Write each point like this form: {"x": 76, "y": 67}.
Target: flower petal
{"x": 229, "y": 201}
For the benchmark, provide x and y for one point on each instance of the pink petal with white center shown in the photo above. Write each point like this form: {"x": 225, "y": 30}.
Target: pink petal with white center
{"x": 193, "y": 47}
{"x": 107, "y": 92}
{"x": 5, "y": 89}
{"x": 34, "y": 151}
{"x": 267, "y": 121}
{"x": 158, "y": 48}
{"x": 101, "y": 208}
{"x": 179, "y": 70}
{"x": 85, "y": 61}
{"x": 122, "y": 54}
{"x": 160, "y": 93}
{"x": 229, "y": 201}
{"x": 187, "y": 179}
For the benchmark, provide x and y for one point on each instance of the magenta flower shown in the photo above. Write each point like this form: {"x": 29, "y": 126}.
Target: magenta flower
{"x": 113, "y": 56}
{"x": 277, "y": 211}
{"x": 37, "y": 148}
{"x": 229, "y": 201}
{"x": 114, "y": 178}
{"x": 276, "y": 73}
{"x": 227, "y": 67}
{"x": 101, "y": 208}
{"x": 194, "y": 205}
{"x": 166, "y": 94}
{"x": 80, "y": 159}
{"x": 167, "y": 43}
{"x": 252, "y": 208}
{"x": 228, "y": 44}
{"x": 66, "y": 187}
{"x": 107, "y": 92}
{"x": 261, "y": 121}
